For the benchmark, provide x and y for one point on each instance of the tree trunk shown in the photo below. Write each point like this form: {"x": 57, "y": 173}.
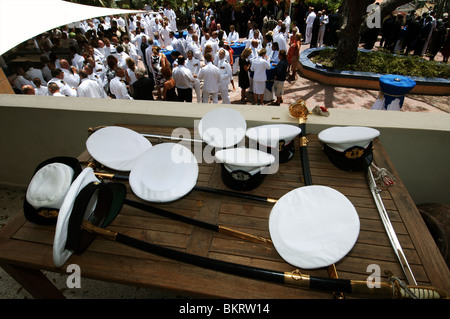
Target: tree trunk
{"x": 352, "y": 14}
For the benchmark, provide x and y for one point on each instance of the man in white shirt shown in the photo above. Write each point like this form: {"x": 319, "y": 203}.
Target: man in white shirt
{"x": 226, "y": 75}
{"x": 130, "y": 48}
{"x": 287, "y": 21}
{"x": 280, "y": 38}
{"x": 64, "y": 88}
{"x": 177, "y": 44}
{"x": 210, "y": 74}
{"x": 309, "y": 25}
{"x": 259, "y": 66}
{"x": 183, "y": 80}
{"x": 224, "y": 37}
{"x": 164, "y": 35}
{"x": 89, "y": 88}
{"x": 70, "y": 74}
{"x": 77, "y": 60}
{"x": 257, "y": 37}
{"x": 195, "y": 27}
{"x": 323, "y": 24}
{"x": 254, "y": 46}
{"x": 40, "y": 89}
{"x": 121, "y": 56}
{"x": 233, "y": 36}
{"x": 193, "y": 65}
{"x": 118, "y": 87}
{"x": 92, "y": 75}
{"x": 53, "y": 90}
{"x": 195, "y": 47}
{"x": 172, "y": 18}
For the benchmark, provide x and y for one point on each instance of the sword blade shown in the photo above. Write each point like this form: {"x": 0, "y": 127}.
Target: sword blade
{"x": 390, "y": 229}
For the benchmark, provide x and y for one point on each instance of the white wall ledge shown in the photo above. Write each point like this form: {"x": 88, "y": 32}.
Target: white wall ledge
{"x": 35, "y": 128}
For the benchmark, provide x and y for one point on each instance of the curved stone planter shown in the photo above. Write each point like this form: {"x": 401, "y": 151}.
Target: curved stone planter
{"x": 364, "y": 80}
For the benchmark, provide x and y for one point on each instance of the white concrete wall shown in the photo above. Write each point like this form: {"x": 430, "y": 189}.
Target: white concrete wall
{"x": 36, "y": 128}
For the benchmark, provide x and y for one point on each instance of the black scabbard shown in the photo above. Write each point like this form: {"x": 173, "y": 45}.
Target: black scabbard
{"x": 304, "y": 155}
{"x": 205, "y": 262}
{"x": 174, "y": 216}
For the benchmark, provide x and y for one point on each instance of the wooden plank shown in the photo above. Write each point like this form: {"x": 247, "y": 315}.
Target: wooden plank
{"x": 29, "y": 245}
{"x": 431, "y": 258}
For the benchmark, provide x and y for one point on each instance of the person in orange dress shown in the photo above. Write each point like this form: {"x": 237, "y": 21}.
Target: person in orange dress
{"x": 294, "y": 54}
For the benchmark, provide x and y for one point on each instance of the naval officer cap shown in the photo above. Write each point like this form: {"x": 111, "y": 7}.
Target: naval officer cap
{"x": 242, "y": 168}
{"x": 117, "y": 147}
{"x": 275, "y": 137}
{"x": 48, "y": 187}
{"x": 349, "y": 148}
{"x": 222, "y": 127}
{"x": 313, "y": 226}
{"x": 87, "y": 199}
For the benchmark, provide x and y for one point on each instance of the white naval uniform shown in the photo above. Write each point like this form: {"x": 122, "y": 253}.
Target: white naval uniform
{"x": 196, "y": 49}
{"x": 226, "y": 74}
{"x": 42, "y": 90}
{"x": 118, "y": 87}
{"x": 78, "y": 61}
{"x": 194, "y": 66}
{"x": 64, "y": 88}
{"x": 72, "y": 79}
{"x": 91, "y": 88}
{"x": 233, "y": 37}
{"x": 259, "y": 66}
{"x": 210, "y": 74}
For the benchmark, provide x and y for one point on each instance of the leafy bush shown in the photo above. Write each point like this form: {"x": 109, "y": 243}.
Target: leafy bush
{"x": 386, "y": 63}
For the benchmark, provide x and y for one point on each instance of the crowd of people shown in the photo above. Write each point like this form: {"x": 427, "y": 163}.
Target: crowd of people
{"x": 126, "y": 57}
{"x": 422, "y": 35}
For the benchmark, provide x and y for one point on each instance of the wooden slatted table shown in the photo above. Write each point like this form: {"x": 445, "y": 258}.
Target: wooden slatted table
{"x": 25, "y": 248}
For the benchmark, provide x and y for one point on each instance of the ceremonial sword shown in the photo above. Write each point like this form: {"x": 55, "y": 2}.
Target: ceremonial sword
{"x": 389, "y": 229}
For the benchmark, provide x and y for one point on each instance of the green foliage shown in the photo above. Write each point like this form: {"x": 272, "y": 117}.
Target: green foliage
{"x": 330, "y": 4}
{"x": 386, "y": 63}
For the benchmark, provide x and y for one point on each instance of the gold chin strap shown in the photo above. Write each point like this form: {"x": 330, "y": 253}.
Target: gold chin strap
{"x": 47, "y": 213}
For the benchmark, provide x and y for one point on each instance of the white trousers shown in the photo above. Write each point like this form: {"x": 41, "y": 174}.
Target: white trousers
{"x": 223, "y": 90}
{"x": 197, "y": 90}
{"x": 206, "y": 94}
{"x": 308, "y": 35}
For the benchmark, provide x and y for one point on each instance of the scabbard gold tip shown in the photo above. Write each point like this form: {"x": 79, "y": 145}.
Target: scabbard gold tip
{"x": 98, "y": 230}
{"x": 272, "y": 200}
{"x": 245, "y": 236}
{"x": 104, "y": 175}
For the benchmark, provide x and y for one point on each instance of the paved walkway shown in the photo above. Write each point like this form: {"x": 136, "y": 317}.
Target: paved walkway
{"x": 314, "y": 93}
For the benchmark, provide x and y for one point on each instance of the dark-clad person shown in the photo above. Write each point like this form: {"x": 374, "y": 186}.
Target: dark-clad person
{"x": 169, "y": 89}
{"x": 243, "y": 77}
{"x": 281, "y": 71}
{"x": 144, "y": 86}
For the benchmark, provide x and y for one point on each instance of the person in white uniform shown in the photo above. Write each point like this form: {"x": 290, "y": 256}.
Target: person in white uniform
{"x": 259, "y": 66}
{"x": 210, "y": 74}
{"x": 70, "y": 73}
{"x": 118, "y": 87}
{"x": 309, "y": 25}
{"x": 226, "y": 75}
{"x": 64, "y": 88}
{"x": 89, "y": 88}
{"x": 233, "y": 36}
{"x": 193, "y": 65}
